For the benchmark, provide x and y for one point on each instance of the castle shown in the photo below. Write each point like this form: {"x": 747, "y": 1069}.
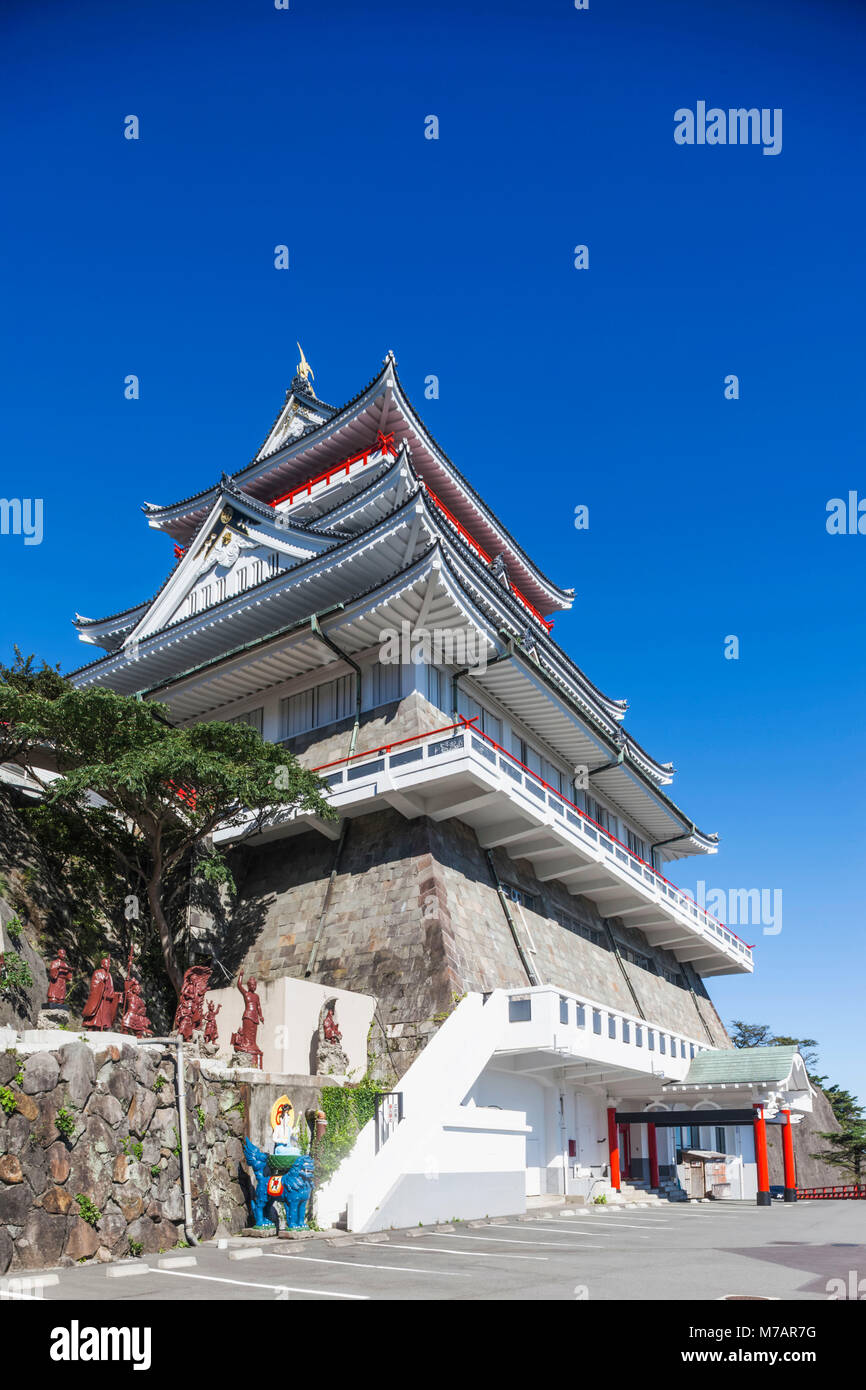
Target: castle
{"x": 500, "y": 832}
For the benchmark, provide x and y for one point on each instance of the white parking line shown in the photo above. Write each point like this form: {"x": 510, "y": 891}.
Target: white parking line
{"x": 248, "y": 1284}
{"x": 608, "y": 1231}
{"x": 358, "y": 1264}
{"x": 473, "y": 1254}
{"x": 507, "y": 1240}
{"x": 636, "y": 1225}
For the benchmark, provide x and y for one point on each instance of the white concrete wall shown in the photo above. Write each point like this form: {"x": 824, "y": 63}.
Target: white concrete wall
{"x": 445, "y": 1158}
{"x": 291, "y": 1010}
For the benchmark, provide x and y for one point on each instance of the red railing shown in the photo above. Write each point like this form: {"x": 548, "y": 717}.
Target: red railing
{"x": 470, "y": 724}
{"x": 471, "y": 541}
{"x": 384, "y": 445}
{"x": 856, "y": 1191}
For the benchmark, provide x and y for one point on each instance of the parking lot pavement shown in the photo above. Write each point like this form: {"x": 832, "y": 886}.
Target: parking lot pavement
{"x": 676, "y": 1252}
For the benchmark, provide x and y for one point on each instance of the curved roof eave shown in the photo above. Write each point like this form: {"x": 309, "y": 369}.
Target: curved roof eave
{"x": 259, "y": 466}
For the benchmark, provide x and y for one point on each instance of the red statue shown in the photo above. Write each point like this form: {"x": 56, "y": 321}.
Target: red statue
{"x": 244, "y": 1040}
{"x": 210, "y": 1023}
{"x": 190, "y": 1008}
{"x": 330, "y": 1027}
{"x": 101, "y": 1007}
{"x": 135, "y": 1019}
{"x": 59, "y": 973}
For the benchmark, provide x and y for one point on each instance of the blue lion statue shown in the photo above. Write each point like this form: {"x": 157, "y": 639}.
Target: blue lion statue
{"x": 279, "y": 1178}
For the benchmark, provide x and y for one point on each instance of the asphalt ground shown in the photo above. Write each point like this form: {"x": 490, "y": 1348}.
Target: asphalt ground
{"x": 805, "y": 1251}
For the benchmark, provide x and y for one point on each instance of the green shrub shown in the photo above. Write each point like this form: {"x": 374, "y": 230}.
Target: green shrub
{"x": 15, "y": 974}
{"x": 7, "y": 1100}
{"x": 88, "y": 1211}
{"x": 135, "y": 1246}
{"x": 65, "y": 1123}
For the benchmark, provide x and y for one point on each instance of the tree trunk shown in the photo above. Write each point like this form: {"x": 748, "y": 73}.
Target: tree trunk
{"x": 154, "y": 898}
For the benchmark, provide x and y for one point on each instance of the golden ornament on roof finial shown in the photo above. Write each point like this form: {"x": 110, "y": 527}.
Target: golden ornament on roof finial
{"x": 304, "y": 368}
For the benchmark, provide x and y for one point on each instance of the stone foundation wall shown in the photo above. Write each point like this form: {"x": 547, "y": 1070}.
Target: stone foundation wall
{"x": 105, "y": 1124}
{"x": 415, "y": 920}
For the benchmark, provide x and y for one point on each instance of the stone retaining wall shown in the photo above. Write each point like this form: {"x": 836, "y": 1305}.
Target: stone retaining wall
{"x": 121, "y": 1151}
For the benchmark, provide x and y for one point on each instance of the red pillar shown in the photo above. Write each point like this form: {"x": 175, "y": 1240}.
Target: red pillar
{"x": 653, "y": 1155}
{"x": 613, "y": 1146}
{"x": 788, "y": 1155}
{"x": 763, "y": 1166}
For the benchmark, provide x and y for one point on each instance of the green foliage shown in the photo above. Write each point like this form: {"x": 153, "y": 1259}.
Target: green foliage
{"x": 13, "y": 929}
{"x": 65, "y": 1123}
{"x": 176, "y": 1148}
{"x": 347, "y": 1109}
{"x": 15, "y": 974}
{"x": 132, "y": 1149}
{"x": 7, "y": 1100}
{"x": 199, "y": 1117}
{"x": 154, "y": 1169}
{"x": 88, "y": 1210}
{"x": 128, "y": 752}
{"x": 600, "y": 1200}
{"x": 159, "y": 1083}
{"x": 847, "y": 1150}
{"x": 135, "y": 1246}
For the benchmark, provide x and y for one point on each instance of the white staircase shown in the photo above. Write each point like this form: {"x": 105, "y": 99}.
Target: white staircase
{"x": 444, "y": 1159}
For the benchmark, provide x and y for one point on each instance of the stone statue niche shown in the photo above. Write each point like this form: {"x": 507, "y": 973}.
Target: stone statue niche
{"x": 329, "y": 1056}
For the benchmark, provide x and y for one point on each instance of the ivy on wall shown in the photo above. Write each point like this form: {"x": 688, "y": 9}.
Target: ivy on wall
{"x": 347, "y": 1109}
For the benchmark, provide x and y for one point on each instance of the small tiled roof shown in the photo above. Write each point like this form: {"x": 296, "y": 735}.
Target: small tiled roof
{"x": 740, "y": 1066}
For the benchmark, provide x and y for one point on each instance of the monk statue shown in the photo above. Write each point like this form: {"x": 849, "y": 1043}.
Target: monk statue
{"x": 329, "y": 1056}
{"x": 190, "y": 1007}
{"x": 135, "y": 1019}
{"x": 59, "y": 975}
{"x": 101, "y": 1007}
{"x": 210, "y": 1022}
{"x": 244, "y": 1040}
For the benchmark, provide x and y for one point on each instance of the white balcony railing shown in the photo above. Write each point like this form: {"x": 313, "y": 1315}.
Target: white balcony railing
{"x": 463, "y": 742}
{"x": 546, "y": 1019}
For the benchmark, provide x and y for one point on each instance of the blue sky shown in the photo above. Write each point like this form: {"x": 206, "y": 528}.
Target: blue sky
{"x": 558, "y": 387}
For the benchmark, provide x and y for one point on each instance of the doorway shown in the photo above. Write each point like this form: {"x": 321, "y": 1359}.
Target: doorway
{"x": 624, "y": 1151}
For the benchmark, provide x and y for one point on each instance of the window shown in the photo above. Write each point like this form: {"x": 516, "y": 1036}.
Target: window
{"x": 571, "y": 924}
{"x": 662, "y": 1044}
{"x": 682, "y": 1048}
{"x": 636, "y": 845}
{"x": 253, "y": 717}
{"x": 581, "y": 1016}
{"x": 601, "y": 815}
{"x": 517, "y": 895}
{"x": 721, "y": 1140}
{"x": 563, "y": 1009}
{"x": 635, "y": 958}
{"x": 651, "y": 1039}
{"x": 673, "y": 977}
{"x": 519, "y": 1010}
{"x": 552, "y": 775}
{"x": 638, "y": 1035}
{"x": 611, "y": 1026}
{"x": 439, "y": 688}
{"x": 626, "y": 1030}
{"x": 323, "y": 704}
{"x": 596, "y": 1021}
{"x": 382, "y": 684}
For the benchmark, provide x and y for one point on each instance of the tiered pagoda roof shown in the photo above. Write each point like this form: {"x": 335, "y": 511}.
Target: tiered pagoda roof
{"x": 357, "y": 515}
